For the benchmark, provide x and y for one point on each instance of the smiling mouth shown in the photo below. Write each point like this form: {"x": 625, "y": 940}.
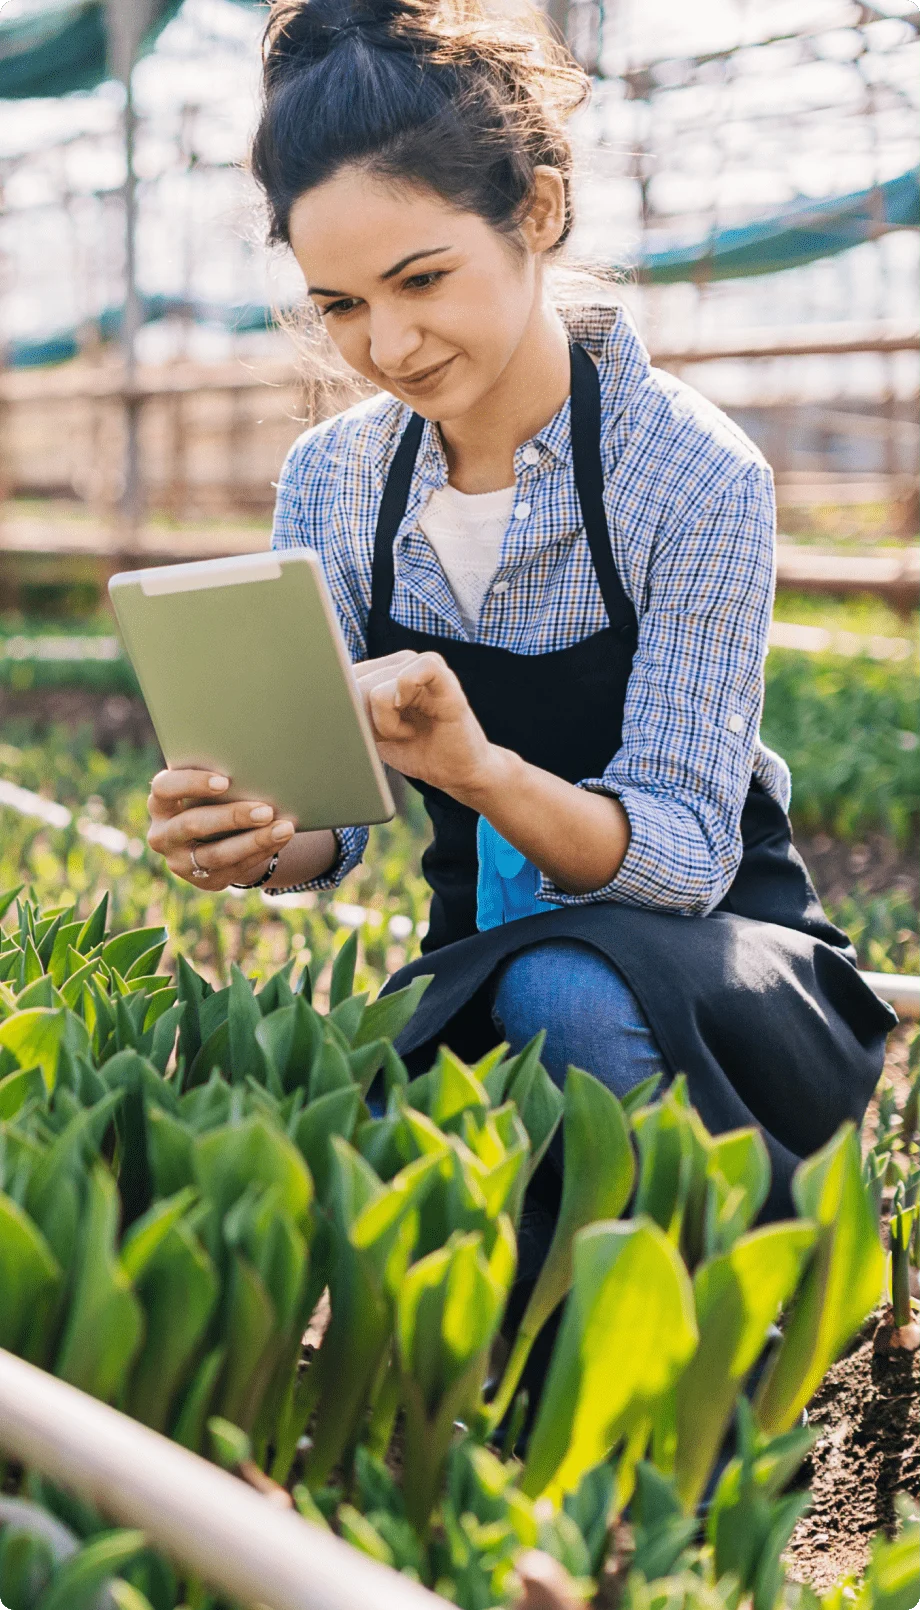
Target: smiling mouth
{"x": 423, "y": 378}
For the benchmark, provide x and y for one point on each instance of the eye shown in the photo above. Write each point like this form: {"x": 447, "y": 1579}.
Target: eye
{"x": 422, "y": 282}
{"x": 346, "y": 304}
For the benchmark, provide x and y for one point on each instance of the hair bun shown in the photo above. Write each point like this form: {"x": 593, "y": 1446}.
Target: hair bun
{"x": 306, "y": 31}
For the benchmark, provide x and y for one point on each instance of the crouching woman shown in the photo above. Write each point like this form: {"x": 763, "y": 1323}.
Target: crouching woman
{"x": 553, "y": 566}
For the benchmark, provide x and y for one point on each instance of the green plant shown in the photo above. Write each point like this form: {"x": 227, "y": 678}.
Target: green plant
{"x": 184, "y": 1171}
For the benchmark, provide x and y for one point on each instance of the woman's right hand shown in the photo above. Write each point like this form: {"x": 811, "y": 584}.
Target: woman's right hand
{"x": 232, "y": 842}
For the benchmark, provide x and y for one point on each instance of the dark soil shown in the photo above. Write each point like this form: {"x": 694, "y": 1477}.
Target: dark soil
{"x": 867, "y": 1453}
{"x": 873, "y": 866}
{"x": 114, "y": 718}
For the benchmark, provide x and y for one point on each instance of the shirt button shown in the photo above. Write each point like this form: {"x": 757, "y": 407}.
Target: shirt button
{"x": 530, "y": 455}
{"x": 501, "y": 587}
{"x": 522, "y": 510}
{"x": 735, "y": 723}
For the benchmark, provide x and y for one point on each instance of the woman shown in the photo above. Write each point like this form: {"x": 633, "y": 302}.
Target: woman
{"x": 554, "y": 567}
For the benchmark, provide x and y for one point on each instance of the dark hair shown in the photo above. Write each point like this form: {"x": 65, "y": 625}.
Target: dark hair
{"x": 430, "y": 92}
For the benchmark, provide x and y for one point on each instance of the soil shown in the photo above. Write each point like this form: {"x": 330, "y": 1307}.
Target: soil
{"x": 115, "y": 719}
{"x": 867, "y": 1453}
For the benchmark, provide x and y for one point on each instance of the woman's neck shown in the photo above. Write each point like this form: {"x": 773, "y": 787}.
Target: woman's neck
{"x": 480, "y": 446}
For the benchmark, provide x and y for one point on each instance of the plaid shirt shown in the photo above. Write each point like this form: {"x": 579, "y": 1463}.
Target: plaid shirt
{"x": 690, "y": 509}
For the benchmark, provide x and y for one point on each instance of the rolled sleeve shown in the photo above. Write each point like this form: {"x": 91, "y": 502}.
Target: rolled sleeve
{"x": 693, "y": 706}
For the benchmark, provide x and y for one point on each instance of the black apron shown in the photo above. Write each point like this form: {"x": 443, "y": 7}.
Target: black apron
{"x": 759, "y": 1003}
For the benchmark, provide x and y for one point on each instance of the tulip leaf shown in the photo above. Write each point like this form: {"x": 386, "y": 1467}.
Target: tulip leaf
{"x": 127, "y": 950}
{"x": 105, "y": 1323}
{"x": 78, "y": 1582}
{"x": 178, "y": 1290}
{"x": 594, "y": 1128}
{"x": 342, "y": 981}
{"x": 627, "y": 1330}
{"x": 841, "y": 1285}
{"x": 737, "y": 1296}
{"x": 30, "y": 1276}
{"x": 386, "y": 1017}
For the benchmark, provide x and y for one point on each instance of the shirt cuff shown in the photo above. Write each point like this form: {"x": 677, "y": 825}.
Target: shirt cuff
{"x": 352, "y": 842}
{"x": 669, "y": 865}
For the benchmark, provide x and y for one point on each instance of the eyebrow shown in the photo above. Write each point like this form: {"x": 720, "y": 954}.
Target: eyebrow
{"x": 429, "y": 251}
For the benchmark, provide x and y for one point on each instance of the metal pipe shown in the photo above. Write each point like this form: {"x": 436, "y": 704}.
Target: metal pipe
{"x": 209, "y": 1522}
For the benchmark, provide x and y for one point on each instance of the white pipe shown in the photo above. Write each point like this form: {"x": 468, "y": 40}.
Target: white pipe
{"x": 209, "y": 1522}
{"x": 901, "y": 990}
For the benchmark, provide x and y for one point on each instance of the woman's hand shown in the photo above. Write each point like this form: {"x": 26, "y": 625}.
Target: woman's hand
{"x": 422, "y": 722}
{"x": 233, "y": 843}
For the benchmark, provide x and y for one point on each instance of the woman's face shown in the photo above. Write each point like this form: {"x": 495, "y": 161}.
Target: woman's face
{"x": 427, "y": 302}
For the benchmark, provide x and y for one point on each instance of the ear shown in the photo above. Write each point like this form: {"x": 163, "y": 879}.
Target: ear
{"x": 545, "y": 218}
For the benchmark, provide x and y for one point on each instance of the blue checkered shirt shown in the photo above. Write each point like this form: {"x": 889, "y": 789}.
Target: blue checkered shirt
{"x": 690, "y": 509}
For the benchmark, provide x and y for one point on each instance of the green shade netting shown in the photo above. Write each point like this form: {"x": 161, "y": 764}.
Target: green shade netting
{"x": 63, "y": 48}
{"x": 796, "y": 234}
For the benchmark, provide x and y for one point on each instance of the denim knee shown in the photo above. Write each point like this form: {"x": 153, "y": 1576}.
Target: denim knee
{"x": 591, "y": 1016}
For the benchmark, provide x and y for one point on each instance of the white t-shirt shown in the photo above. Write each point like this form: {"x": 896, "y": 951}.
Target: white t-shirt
{"x": 466, "y": 530}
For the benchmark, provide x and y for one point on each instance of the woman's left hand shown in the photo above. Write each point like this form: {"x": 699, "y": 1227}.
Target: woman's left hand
{"x": 423, "y": 724}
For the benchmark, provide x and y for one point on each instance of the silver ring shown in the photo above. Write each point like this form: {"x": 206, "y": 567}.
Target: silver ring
{"x": 197, "y": 871}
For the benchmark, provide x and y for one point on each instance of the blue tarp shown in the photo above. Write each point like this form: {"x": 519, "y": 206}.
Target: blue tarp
{"x": 796, "y": 234}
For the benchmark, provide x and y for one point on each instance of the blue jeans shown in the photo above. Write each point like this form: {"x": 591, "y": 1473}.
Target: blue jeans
{"x": 592, "y": 1018}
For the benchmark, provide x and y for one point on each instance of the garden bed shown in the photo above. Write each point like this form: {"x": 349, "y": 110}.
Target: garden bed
{"x": 866, "y": 1454}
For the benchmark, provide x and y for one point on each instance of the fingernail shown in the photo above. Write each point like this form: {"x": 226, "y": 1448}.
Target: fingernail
{"x": 217, "y": 783}
{"x": 282, "y": 830}
{"x": 261, "y": 813}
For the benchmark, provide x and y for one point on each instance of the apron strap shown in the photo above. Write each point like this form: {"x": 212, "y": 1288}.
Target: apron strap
{"x": 392, "y": 510}
{"x": 585, "y": 414}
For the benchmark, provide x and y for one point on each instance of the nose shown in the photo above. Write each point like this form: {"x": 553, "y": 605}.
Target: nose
{"x": 393, "y": 339}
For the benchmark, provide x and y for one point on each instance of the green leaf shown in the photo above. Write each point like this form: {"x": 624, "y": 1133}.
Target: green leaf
{"x": 448, "y": 1310}
{"x": 841, "y": 1285}
{"x": 661, "y": 1531}
{"x": 59, "y": 963}
{"x": 891, "y": 1581}
{"x": 93, "y": 931}
{"x": 291, "y": 1039}
{"x": 189, "y": 1428}
{"x": 627, "y": 1330}
{"x": 125, "y": 951}
{"x": 668, "y": 1146}
{"x": 386, "y": 1017}
{"x": 39, "y": 993}
{"x": 78, "y": 1582}
{"x": 178, "y": 1291}
{"x": 26, "y": 1565}
{"x": 342, "y": 981}
{"x": 232, "y": 1446}
{"x": 243, "y": 1019}
{"x": 30, "y": 1277}
{"x": 333, "y": 1114}
{"x": 147, "y": 1235}
{"x": 105, "y": 1324}
{"x": 18, "y": 1088}
{"x": 230, "y": 1160}
{"x": 737, "y": 1297}
{"x": 35, "y": 1038}
{"x": 593, "y": 1127}
{"x": 248, "y": 1323}
{"x": 7, "y": 898}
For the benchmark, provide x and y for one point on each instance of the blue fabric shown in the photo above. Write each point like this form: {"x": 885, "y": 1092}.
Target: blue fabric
{"x": 689, "y": 506}
{"x": 507, "y": 882}
{"x": 592, "y": 1018}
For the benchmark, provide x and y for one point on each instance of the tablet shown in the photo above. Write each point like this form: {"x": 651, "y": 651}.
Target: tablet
{"x": 244, "y": 671}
